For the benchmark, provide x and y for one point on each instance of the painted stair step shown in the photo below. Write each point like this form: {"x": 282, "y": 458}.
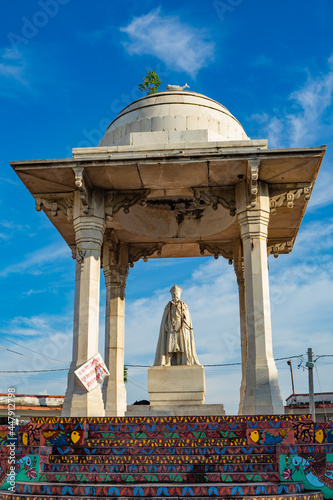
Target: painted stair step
{"x": 163, "y": 426}
{"x": 298, "y": 496}
{"x": 26, "y": 450}
{"x": 190, "y": 419}
{"x": 168, "y": 426}
{"x": 167, "y": 434}
{"x": 148, "y": 490}
{"x": 295, "y": 449}
{"x": 199, "y": 425}
{"x": 161, "y": 450}
{"x": 165, "y": 442}
{"x": 160, "y": 468}
{"x": 197, "y": 474}
{"x": 162, "y": 459}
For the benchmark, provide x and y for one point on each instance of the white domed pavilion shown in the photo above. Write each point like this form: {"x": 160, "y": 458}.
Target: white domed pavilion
{"x": 175, "y": 175}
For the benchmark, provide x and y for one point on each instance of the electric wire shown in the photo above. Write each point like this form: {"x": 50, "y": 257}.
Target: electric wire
{"x": 33, "y": 357}
{"x": 28, "y": 349}
{"x": 140, "y": 366}
{"x": 34, "y": 371}
{"x": 324, "y": 405}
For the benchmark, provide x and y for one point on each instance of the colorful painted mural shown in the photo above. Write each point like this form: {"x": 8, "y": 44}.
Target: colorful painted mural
{"x": 314, "y": 470}
{"x": 255, "y": 456}
{"x": 25, "y": 468}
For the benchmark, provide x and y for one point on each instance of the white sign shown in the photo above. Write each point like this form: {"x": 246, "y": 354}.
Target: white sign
{"x": 92, "y": 373}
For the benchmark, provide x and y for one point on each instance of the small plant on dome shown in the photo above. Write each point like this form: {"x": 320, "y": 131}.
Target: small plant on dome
{"x": 150, "y": 84}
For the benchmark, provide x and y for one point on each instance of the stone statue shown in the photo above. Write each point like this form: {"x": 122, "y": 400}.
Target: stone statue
{"x": 176, "y": 342}
{"x": 177, "y": 87}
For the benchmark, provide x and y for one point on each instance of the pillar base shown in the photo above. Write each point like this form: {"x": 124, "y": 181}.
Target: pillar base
{"x": 83, "y": 404}
{"x": 115, "y": 400}
{"x": 262, "y": 392}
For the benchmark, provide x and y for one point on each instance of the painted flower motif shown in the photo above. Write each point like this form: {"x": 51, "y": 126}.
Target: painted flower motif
{"x": 287, "y": 474}
{"x": 31, "y": 473}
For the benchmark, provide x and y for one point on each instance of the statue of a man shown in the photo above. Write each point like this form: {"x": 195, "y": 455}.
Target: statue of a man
{"x": 176, "y": 342}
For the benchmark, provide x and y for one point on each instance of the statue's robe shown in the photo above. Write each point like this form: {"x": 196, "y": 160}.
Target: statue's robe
{"x": 176, "y": 336}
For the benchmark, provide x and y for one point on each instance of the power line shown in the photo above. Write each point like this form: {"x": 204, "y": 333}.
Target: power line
{"x": 214, "y": 365}
{"x": 33, "y": 357}
{"x": 140, "y": 366}
{"x": 34, "y": 371}
{"x": 28, "y": 349}
{"x": 289, "y": 357}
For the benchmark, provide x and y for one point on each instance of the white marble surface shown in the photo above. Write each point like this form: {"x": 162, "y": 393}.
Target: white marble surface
{"x": 261, "y": 388}
{"x": 176, "y": 385}
{"x": 171, "y": 112}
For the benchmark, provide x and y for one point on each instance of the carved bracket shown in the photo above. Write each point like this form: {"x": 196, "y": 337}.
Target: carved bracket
{"x": 217, "y": 196}
{"x": 83, "y": 184}
{"x": 143, "y": 251}
{"x": 73, "y": 249}
{"x": 216, "y": 249}
{"x": 116, "y": 200}
{"x": 290, "y": 193}
{"x": 278, "y": 248}
{"x": 252, "y": 178}
{"x": 78, "y": 254}
{"x": 54, "y": 204}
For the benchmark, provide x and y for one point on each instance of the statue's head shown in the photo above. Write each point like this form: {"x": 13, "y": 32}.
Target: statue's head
{"x": 176, "y": 292}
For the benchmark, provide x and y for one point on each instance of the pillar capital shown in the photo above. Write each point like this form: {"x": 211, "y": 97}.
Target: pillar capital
{"x": 89, "y": 226}
{"x": 89, "y": 230}
{"x": 115, "y": 275}
{"x": 253, "y": 219}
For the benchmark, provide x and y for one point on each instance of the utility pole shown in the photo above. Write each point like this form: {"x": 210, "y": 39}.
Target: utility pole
{"x": 310, "y": 365}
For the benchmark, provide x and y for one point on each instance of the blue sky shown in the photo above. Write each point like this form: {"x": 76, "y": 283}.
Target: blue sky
{"x": 67, "y": 68}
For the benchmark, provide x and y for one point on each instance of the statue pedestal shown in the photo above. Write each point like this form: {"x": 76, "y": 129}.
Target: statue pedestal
{"x": 176, "y": 385}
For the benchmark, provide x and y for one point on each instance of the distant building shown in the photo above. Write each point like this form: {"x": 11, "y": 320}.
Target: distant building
{"x": 31, "y": 405}
{"x": 298, "y": 404}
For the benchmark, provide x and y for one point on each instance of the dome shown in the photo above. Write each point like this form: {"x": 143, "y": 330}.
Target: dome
{"x": 173, "y": 117}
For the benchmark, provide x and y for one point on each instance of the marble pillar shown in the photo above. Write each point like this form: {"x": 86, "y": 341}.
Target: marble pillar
{"x": 239, "y": 270}
{"x": 115, "y": 272}
{"x": 262, "y": 393}
{"x": 89, "y": 230}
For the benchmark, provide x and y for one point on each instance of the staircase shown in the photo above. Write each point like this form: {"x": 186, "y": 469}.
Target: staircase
{"x": 156, "y": 458}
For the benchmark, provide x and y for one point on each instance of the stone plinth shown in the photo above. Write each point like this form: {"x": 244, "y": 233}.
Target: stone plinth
{"x": 176, "y": 385}
{"x": 175, "y": 410}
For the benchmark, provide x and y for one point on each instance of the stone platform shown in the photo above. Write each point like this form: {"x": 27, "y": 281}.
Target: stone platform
{"x": 254, "y": 457}
{"x": 174, "y": 410}
{"x": 176, "y": 385}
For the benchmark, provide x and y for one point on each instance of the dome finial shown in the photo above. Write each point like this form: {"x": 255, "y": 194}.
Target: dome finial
{"x": 177, "y": 87}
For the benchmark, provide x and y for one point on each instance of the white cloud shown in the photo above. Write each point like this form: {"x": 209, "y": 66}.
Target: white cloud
{"x": 180, "y": 46}
{"x": 307, "y": 116}
{"x": 31, "y": 292}
{"x": 10, "y": 228}
{"x": 12, "y": 65}
{"x": 35, "y": 326}
{"x": 39, "y": 261}
{"x": 46, "y": 335}
{"x": 323, "y": 192}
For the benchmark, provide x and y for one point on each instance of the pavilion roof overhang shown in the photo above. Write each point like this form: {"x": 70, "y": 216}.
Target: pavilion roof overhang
{"x": 173, "y": 172}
